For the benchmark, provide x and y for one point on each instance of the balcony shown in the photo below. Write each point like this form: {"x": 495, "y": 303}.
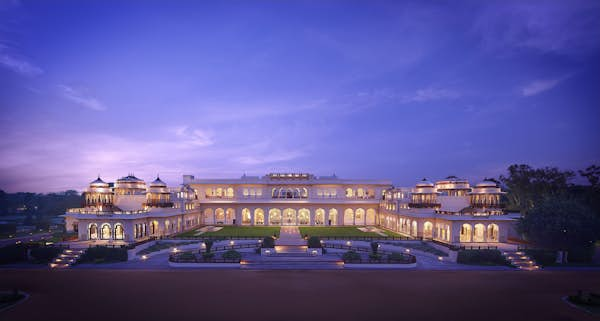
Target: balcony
{"x": 103, "y": 212}
{"x": 424, "y": 205}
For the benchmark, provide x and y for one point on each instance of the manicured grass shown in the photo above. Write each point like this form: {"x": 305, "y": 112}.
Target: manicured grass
{"x": 420, "y": 246}
{"x": 233, "y": 231}
{"x": 161, "y": 246}
{"x": 339, "y": 231}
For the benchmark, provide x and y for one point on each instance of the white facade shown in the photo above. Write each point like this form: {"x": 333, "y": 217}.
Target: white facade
{"x": 449, "y": 211}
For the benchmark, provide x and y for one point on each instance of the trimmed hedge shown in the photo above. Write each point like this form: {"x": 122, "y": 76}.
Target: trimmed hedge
{"x": 481, "y": 257}
{"x": 351, "y": 256}
{"x": 45, "y": 253}
{"x": 13, "y": 253}
{"x": 268, "y": 242}
{"x": 103, "y": 254}
{"x": 232, "y": 254}
{"x": 314, "y": 242}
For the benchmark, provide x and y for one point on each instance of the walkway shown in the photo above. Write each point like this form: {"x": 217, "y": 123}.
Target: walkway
{"x": 290, "y": 235}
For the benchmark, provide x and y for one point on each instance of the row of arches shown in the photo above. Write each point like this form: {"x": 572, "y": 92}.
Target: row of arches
{"x": 479, "y": 233}
{"x": 289, "y": 192}
{"x": 290, "y": 216}
{"x": 106, "y": 232}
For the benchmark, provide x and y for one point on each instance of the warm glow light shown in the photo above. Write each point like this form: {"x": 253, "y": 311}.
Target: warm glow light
{"x": 231, "y": 242}
{"x": 348, "y": 243}
{"x": 144, "y": 257}
{"x": 407, "y": 250}
{"x": 440, "y": 258}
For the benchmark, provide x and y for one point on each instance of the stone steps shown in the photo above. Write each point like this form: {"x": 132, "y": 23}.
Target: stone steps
{"x": 520, "y": 260}
{"x": 65, "y": 259}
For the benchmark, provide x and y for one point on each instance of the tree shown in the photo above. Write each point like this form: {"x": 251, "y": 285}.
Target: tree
{"x": 561, "y": 224}
{"x": 592, "y": 173}
{"x": 526, "y": 186}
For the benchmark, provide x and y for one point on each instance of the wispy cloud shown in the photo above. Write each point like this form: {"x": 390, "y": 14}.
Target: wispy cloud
{"x": 429, "y": 94}
{"x": 540, "y": 85}
{"x": 270, "y": 158}
{"x": 18, "y": 64}
{"x": 81, "y": 99}
{"x": 195, "y": 137}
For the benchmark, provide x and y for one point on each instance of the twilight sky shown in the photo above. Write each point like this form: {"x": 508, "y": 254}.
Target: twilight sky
{"x": 364, "y": 89}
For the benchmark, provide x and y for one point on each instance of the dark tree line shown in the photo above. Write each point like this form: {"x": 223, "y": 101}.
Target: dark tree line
{"x": 38, "y": 209}
{"x": 556, "y": 214}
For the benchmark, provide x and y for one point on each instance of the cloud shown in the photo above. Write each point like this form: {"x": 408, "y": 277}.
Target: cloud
{"x": 80, "y": 99}
{"x": 562, "y": 27}
{"x": 540, "y": 85}
{"x": 18, "y": 65}
{"x": 273, "y": 157}
{"x": 429, "y": 94}
{"x": 195, "y": 137}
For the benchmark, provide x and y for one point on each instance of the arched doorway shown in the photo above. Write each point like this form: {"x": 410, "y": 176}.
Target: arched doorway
{"x": 246, "y": 217}
{"x": 492, "y": 233}
{"x": 93, "y": 231}
{"x": 319, "y": 216}
{"x": 359, "y": 218}
{"x": 259, "y": 216}
{"x": 119, "y": 232}
{"x": 230, "y": 216}
{"x": 209, "y": 217}
{"x": 105, "y": 232}
{"x": 219, "y": 216}
{"x": 289, "y": 216}
{"x": 303, "y": 216}
{"x": 274, "y": 216}
{"x": 370, "y": 220}
{"x": 414, "y": 228}
{"x": 333, "y": 217}
{"x": 428, "y": 230}
{"x": 465, "y": 233}
{"x": 348, "y": 217}
{"x": 479, "y": 233}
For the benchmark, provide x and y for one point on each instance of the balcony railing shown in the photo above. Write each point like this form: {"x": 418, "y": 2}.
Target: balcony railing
{"x": 98, "y": 212}
{"x": 424, "y": 205}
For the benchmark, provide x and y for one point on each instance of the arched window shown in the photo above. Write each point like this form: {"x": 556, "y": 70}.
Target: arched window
{"x": 414, "y": 228}
{"x": 304, "y": 192}
{"x": 349, "y": 192}
{"x": 105, "y": 232}
{"x": 360, "y": 193}
{"x": 348, "y": 217}
{"x": 333, "y": 217}
{"x": 119, "y": 232}
{"x": 93, "y": 231}
{"x": 259, "y": 216}
{"x": 246, "y": 216}
{"x": 230, "y": 192}
{"x": 219, "y": 192}
{"x": 167, "y": 227}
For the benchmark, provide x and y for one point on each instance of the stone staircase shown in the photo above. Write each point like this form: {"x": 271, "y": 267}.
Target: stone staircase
{"x": 292, "y": 263}
{"x": 521, "y": 260}
{"x": 291, "y": 251}
{"x": 65, "y": 259}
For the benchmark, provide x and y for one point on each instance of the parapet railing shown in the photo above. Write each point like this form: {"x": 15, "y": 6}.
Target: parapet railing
{"x": 406, "y": 258}
{"x": 97, "y": 212}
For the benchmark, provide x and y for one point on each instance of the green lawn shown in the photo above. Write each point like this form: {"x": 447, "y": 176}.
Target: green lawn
{"x": 336, "y": 231}
{"x": 233, "y": 231}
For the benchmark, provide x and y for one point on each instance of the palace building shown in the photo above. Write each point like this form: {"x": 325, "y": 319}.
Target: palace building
{"x": 449, "y": 211}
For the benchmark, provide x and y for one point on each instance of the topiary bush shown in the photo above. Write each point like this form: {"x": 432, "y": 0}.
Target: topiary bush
{"x": 314, "y": 242}
{"x": 103, "y": 254}
{"x": 268, "y": 242}
{"x": 481, "y": 257}
{"x": 374, "y": 247}
{"x": 232, "y": 255}
{"x": 208, "y": 244}
{"x": 208, "y": 256}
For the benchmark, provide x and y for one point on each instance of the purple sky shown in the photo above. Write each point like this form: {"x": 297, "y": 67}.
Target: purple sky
{"x": 392, "y": 90}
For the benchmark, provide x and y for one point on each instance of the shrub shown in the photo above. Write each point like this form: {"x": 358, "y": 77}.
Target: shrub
{"x": 209, "y": 244}
{"x": 268, "y": 242}
{"x": 185, "y": 257}
{"x": 314, "y": 242}
{"x": 45, "y": 253}
{"x": 232, "y": 254}
{"x": 481, "y": 257}
{"x": 13, "y": 253}
{"x": 351, "y": 256}
{"x": 207, "y": 256}
{"x": 103, "y": 254}
{"x": 374, "y": 247}
{"x": 374, "y": 256}
{"x": 396, "y": 257}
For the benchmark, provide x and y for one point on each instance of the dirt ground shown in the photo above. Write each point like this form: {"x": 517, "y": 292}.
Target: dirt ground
{"x": 295, "y": 295}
